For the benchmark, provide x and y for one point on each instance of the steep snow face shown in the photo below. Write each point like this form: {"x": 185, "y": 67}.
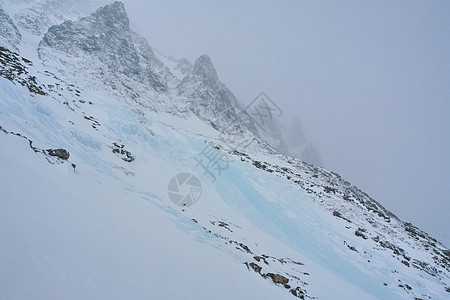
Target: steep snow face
{"x": 104, "y": 40}
{"x": 9, "y": 34}
{"x": 96, "y": 221}
{"x": 178, "y": 67}
{"x": 35, "y": 19}
{"x": 299, "y": 226}
{"x": 67, "y": 235}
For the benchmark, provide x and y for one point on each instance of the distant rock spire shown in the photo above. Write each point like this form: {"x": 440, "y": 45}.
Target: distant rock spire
{"x": 296, "y": 135}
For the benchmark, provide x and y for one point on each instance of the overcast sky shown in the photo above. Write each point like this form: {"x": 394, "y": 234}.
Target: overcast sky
{"x": 370, "y": 81}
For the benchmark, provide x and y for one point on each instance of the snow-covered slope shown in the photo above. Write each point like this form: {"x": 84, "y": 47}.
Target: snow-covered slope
{"x": 84, "y": 208}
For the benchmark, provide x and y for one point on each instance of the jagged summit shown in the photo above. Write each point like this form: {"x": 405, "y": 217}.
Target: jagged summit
{"x": 104, "y": 49}
{"x": 105, "y": 41}
{"x": 204, "y": 68}
{"x": 202, "y": 80}
{"x": 211, "y": 100}
{"x": 94, "y": 34}
{"x": 113, "y": 16}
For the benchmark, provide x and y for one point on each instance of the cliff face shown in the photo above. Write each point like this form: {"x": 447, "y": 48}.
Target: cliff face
{"x": 10, "y": 36}
{"x": 104, "y": 41}
{"x": 211, "y": 100}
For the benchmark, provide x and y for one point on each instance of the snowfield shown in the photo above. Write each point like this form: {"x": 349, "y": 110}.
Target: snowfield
{"x": 95, "y": 232}
{"x": 101, "y": 225}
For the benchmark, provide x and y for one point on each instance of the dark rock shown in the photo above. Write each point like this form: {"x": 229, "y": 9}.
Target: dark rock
{"x": 338, "y": 215}
{"x": 247, "y": 249}
{"x": 352, "y": 248}
{"x": 329, "y": 190}
{"x": 277, "y": 278}
{"x": 259, "y": 258}
{"x": 120, "y": 151}
{"x": 298, "y": 292}
{"x": 60, "y": 153}
{"x": 360, "y": 233}
{"x": 405, "y": 263}
{"x": 15, "y": 69}
{"x": 255, "y": 267}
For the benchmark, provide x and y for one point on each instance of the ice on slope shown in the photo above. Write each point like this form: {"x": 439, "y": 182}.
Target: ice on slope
{"x": 165, "y": 145}
{"x": 66, "y": 236}
{"x": 282, "y": 221}
{"x": 114, "y": 239}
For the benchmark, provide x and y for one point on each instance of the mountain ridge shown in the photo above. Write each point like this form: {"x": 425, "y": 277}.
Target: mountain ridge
{"x": 356, "y": 229}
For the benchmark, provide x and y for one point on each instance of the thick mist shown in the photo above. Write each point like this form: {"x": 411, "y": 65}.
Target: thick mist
{"x": 368, "y": 80}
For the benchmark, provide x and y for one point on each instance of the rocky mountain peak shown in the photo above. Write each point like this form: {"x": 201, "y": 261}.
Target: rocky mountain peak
{"x": 108, "y": 28}
{"x": 204, "y": 68}
{"x": 210, "y": 99}
{"x": 113, "y": 16}
{"x": 104, "y": 40}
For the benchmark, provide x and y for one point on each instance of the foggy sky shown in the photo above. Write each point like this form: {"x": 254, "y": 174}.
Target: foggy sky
{"x": 370, "y": 81}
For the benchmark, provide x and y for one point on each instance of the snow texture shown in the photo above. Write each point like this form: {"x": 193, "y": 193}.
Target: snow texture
{"x": 98, "y": 223}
